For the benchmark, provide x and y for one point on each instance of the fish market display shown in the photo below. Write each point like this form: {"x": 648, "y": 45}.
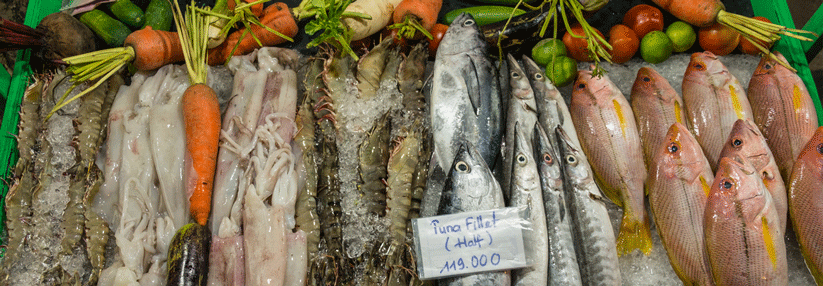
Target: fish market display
{"x": 465, "y": 102}
{"x": 656, "y": 106}
{"x": 607, "y": 130}
{"x": 562, "y": 258}
{"x": 804, "y": 203}
{"x": 472, "y": 187}
{"x": 746, "y": 142}
{"x": 595, "y": 245}
{"x": 714, "y": 100}
{"x": 742, "y": 230}
{"x": 783, "y": 110}
{"x": 679, "y": 178}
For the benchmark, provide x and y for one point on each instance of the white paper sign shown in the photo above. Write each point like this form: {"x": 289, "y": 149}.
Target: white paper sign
{"x": 469, "y": 242}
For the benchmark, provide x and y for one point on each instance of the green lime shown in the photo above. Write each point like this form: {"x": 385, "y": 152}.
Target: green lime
{"x": 562, "y": 70}
{"x": 682, "y": 35}
{"x": 544, "y": 50}
{"x": 656, "y": 47}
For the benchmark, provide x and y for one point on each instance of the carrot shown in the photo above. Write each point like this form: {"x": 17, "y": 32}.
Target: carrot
{"x": 154, "y": 48}
{"x": 148, "y": 48}
{"x": 201, "y": 113}
{"x": 411, "y": 16}
{"x": 276, "y": 19}
{"x": 704, "y": 13}
{"x": 256, "y": 9}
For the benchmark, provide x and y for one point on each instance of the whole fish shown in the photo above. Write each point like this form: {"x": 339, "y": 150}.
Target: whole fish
{"x": 741, "y": 228}
{"x": 527, "y": 193}
{"x": 471, "y": 186}
{"x": 714, "y": 99}
{"x": 464, "y": 102}
{"x": 783, "y": 110}
{"x": 608, "y": 133}
{"x": 522, "y": 110}
{"x": 595, "y": 245}
{"x": 656, "y": 106}
{"x": 804, "y": 203}
{"x": 551, "y": 107}
{"x": 563, "y": 268}
{"x": 747, "y": 142}
{"x": 679, "y": 178}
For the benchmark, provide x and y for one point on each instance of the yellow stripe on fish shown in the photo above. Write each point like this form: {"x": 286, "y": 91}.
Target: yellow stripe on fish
{"x": 706, "y": 188}
{"x": 620, "y": 118}
{"x": 797, "y": 101}
{"x": 767, "y": 239}
{"x": 736, "y": 103}
{"x": 677, "y": 112}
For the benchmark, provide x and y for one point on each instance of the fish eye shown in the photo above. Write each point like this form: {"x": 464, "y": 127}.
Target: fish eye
{"x": 548, "y": 158}
{"x": 737, "y": 142}
{"x": 699, "y": 66}
{"x": 571, "y": 159}
{"x": 726, "y": 185}
{"x": 767, "y": 66}
{"x": 468, "y": 22}
{"x": 538, "y": 76}
{"x": 647, "y": 79}
{"x": 515, "y": 75}
{"x": 461, "y": 167}
{"x": 820, "y": 148}
{"x": 673, "y": 148}
{"x": 521, "y": 158}
{"x": 581, "y": 86}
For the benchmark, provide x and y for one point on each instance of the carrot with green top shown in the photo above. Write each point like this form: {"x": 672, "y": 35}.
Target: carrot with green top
{"x": 278, "y": 26}
{"x": 411, "y": 16}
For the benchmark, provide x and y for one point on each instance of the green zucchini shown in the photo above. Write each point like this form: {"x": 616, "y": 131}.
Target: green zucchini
{"x": 483, "y": 14}
{"x": 158, "y": 15}
{"x": 511, "y": 2}
{"x": 188, "y": 260}
{"x": 127, "y": 12}
{"x": 112, "y": 32}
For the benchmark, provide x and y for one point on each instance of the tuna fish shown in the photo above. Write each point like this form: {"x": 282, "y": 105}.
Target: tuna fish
{"x": 608, "y": 133}
{"x": 471, "y": 186}
{"x": 805, "y": 195}
{"x": 464, "y": 103}
{"x": 714, "y": 100}
{"x": 746, "y": 142}
{"x": 563, "y": 269}
{"x": 783, "y": 110}
{"x": 741, "y": 228}
{"x": 679, "y": 178}
{"x": 656, "y": 106}
{"x": 591, "y": 228}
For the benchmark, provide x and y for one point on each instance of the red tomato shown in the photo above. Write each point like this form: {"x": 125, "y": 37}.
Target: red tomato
{"x": 718, "y": 39}
{"x": 624, "y": 43}
{"x": 747, "y": 47}
{"x": 578, "y": 47}
{"x": 643, "y": 19}
{"x": 437, "y": 31}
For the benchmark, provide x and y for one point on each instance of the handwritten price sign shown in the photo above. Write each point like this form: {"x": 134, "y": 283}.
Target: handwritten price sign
{"x": 469, "y": 242}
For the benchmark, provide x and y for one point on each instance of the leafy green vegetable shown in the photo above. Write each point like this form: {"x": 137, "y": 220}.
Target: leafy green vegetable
{"x": 327, "y": 17}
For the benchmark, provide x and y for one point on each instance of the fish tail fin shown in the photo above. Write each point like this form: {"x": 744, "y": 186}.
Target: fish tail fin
{"x": 634, "y": 234}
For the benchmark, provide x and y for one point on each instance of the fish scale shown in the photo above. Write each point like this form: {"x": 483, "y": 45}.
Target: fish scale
{"x": 804, "y": 207}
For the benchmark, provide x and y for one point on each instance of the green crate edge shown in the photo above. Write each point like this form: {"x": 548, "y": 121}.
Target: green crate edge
{"x": 36, "y": 11}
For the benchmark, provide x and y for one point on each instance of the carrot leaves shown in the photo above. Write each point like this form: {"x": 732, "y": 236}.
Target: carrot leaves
{"x": 328, "y": 15}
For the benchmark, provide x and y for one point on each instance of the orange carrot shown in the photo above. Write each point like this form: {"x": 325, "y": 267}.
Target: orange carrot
{"x": 277, "y": 17}
{"x": 701, "y": 13}
{"x": 256, "y": 9}
{"x": 154, "y": 49}
{"x": 201, "y": 114}
{"x": 425, "y": 12}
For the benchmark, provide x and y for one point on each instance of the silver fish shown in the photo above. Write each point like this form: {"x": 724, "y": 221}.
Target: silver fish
{"x": 471, "y": 186}
{"x": 464, "y": 102}
{"x": 522, "y": 110}
{"x": 563, "y": 268}
{"x": 526, "y": 193}
{"x": 596, "y": 246}
{"x": 552, "y": 109}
